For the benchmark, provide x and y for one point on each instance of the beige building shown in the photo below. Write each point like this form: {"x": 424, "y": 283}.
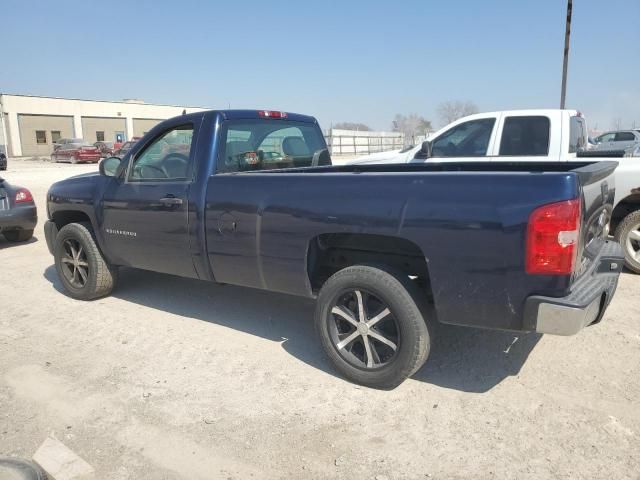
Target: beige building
{"x": 31, "y": 125}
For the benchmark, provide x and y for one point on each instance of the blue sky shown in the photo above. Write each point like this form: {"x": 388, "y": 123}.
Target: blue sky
{"x": 360, "y": 61}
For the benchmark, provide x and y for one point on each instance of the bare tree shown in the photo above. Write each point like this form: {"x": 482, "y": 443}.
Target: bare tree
{"x": 352, "y": 126}
{"x": 411, "y": 125}
{"x": 452, "y": 110}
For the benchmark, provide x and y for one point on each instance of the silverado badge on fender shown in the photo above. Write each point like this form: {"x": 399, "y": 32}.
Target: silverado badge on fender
{"x": 120, "y": 232}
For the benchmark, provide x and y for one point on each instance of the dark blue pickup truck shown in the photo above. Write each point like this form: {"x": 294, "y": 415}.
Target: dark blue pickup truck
{"x": 250, "y": 198}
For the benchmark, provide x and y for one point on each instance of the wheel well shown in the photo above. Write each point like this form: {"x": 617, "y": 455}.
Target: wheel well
{"x": 65, "y": 217}
{"x": 624, "y": 208}
{"x": 331, "y": 252}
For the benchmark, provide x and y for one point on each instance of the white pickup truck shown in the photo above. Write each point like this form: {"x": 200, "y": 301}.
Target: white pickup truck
{"x": 537, "y": 135}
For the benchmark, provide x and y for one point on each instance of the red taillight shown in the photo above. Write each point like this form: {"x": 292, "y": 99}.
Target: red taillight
{"x": 23, "y": 195}
{"x": 271, "y": 114}
{"x": 552, "y": 238}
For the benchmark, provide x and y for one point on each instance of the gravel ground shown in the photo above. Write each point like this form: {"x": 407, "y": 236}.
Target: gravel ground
{"x": 171, "y": 378}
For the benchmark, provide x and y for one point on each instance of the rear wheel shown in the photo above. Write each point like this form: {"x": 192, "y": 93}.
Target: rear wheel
{"x": 372, "y": 326}
{"x": 628, "y": 235}
{"x": 18, "y": 235}
{"x": 81, "y": 267}
{"x": 74, "y": 160}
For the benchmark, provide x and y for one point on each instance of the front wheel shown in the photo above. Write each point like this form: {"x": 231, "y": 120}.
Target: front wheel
{"x": 81, "y": 267}
{"x": 74, "y": 160}
{"x": 628, "y": 235}
{"x": 371, "y": 325}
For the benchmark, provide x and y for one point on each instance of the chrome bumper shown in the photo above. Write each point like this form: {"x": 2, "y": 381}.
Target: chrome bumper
{"x": 590, "y": 296}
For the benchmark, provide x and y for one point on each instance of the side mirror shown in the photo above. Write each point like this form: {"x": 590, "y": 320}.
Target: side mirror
{"x": 425, "y": 150}
{"x": 109, "y": 166}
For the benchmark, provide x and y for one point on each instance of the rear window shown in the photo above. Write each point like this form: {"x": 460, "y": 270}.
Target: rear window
{"x": 525, "y": 136}
{"x": 250, "y": 145}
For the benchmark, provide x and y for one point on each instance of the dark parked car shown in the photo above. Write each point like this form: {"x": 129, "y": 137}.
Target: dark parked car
{"x": 76, "y": 153}
{"x": 3, "y": 161}
{"x": 105, "y": 148}
{"x": 371, "y": 243}
{"x": 18, "y": 215}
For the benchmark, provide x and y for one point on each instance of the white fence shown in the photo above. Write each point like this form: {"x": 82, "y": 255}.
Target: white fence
{"x": 358, "y": 142}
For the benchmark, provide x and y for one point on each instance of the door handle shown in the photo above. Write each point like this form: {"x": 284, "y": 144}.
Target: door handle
{"x": 171, "y": 200}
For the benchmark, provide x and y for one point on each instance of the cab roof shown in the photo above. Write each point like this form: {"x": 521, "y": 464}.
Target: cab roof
{"x": 255, "y": 114}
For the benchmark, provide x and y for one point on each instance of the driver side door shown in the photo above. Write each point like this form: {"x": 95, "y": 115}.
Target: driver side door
{"x": 145, "y": 211}
{"x": 466, "y": 141}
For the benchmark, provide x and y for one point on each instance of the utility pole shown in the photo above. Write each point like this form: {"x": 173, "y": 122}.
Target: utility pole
{"x": 565, "y": 61}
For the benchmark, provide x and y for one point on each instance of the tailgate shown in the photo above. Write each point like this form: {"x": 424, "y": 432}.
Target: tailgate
{"x": 597, "y": 181}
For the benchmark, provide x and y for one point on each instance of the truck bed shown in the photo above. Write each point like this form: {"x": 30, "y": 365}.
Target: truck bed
{"x": 467, "y": 221}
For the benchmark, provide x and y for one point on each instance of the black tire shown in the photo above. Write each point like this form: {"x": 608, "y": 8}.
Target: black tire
{"x": 411, "y": 328}
{"x": 18, "y": 235}
{"x": 629, "y": 223}
{"x": 99, "y": 276}
{"x": 18, "y": 469}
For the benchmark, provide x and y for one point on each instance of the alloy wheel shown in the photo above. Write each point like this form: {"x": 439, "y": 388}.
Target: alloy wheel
{"x": 74, "y": 263}
{"x": 363, "y": 330}
{"x": 632, "y": 244}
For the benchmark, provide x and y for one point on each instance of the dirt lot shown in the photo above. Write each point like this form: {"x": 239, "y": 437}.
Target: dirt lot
{"x": 171, "y": 378}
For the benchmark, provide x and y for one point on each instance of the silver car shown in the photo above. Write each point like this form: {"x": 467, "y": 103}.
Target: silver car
{"x": 633, "y": 151}
{"x": 620, "y": 140}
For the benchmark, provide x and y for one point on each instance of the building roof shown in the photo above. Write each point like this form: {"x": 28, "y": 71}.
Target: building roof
{"x": 126, "y": 101}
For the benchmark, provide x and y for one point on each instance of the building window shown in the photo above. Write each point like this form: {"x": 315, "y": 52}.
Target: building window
{"x": 41, "y": 137}
{"x": 100, "y": 136}
{"x": 55, "y": 136}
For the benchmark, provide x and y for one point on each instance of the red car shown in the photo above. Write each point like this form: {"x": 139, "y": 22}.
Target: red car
{"x": 76, "y": 153}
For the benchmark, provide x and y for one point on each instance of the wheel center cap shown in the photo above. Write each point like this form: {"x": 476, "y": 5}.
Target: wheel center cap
{"x": 363, "y": 329}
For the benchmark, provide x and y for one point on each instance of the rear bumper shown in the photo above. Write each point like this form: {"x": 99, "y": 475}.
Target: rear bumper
{"x": 590, "y": 296}
{"x": 23, "y": 217}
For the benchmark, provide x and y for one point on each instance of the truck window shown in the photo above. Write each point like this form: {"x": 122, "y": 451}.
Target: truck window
{"x": 250, "y": 145}
{"x": 525, "y": 136}
{"x": 469, "y": 139}
{"x": 166, "y": 158}
{"x": 577, "y": 134}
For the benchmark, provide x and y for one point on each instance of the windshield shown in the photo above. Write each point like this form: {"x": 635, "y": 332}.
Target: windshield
{"x": 250, "y": 145}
